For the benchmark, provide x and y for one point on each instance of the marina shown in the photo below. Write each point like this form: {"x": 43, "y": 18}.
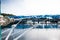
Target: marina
{"x": 22, "y": 28}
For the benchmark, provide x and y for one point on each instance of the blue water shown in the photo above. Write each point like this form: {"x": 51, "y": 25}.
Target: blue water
{"x": 23, "y": 26}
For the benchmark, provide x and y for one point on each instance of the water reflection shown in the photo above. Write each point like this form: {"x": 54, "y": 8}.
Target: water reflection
{"x": 40, "y": 26}
{"x": 41, "y": 34}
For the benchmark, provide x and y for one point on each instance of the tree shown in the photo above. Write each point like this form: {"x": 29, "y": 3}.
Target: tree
{"x": 4, "y": 14}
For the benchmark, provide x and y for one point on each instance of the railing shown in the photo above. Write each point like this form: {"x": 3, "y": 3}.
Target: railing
{"x": 13, "y": 27}
{"x": 10, "y": 33}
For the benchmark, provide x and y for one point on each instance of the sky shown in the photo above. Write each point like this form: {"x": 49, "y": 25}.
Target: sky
{"x": 31, "y": 7}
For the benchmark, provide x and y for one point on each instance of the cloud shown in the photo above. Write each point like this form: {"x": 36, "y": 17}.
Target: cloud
{"x": 32, "y": 7}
